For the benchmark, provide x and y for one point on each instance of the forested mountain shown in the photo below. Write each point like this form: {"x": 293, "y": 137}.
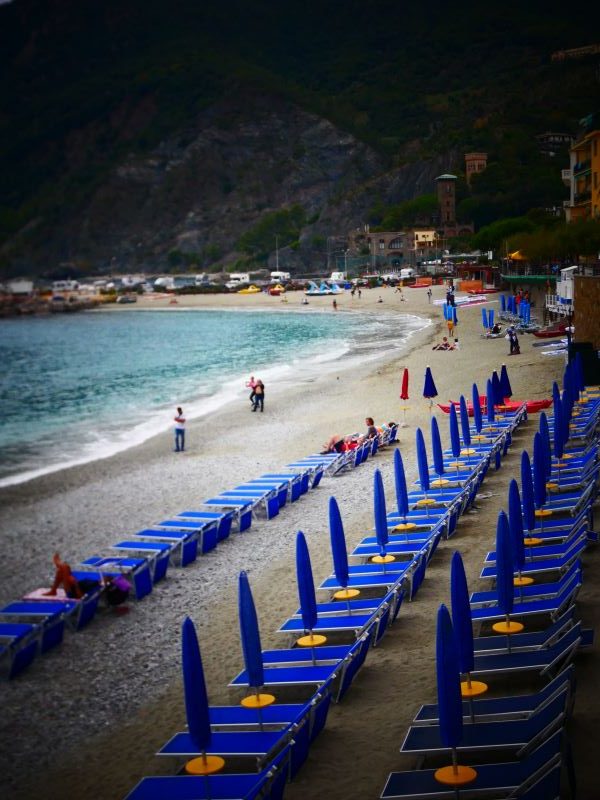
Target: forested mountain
{"x": 130, "y": 130}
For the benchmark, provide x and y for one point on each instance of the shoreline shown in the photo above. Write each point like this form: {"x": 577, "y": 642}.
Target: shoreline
{"x": 114, "y": 690}
{"x": 222, "y": 400}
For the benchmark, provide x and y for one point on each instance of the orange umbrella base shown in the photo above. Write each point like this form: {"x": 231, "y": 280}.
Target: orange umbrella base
{"x": 312, "y": 640}
{"x": 531, "y": 541}
{"x": 474, "y": 689}
{"x": 258, "y": 700}
{"x": 480, "y": 438}
{"x": 552, "y": 487}
{"x": 426, "y": 501}
{"x": 405, "y": 526}
{"x": 346, "y": 594}
{"x": 508, "y": 627}
{"x": 524, "y": 580}
{"x": 440, "y": 482}
{"x": 457, "y": 464}
{"x": 455, "y": 776}
{"x": 383, "y": 559}
{"x": 468, "y": 451}
{"x": 204, "y": 765}
{"x": 567, "y": 456}
{"x": 543, "y": 512}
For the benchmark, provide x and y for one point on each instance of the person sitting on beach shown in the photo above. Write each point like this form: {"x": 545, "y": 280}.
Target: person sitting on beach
{"x": 443, "y": 345}
{"x": 372, "y": 431}
{"x": 64, "y": 578}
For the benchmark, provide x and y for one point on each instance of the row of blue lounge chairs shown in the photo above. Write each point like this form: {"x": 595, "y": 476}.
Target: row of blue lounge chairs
{"x": 35, "y": 624}
{"x": 528, "y": 727}
{"x": 320, "y": 673}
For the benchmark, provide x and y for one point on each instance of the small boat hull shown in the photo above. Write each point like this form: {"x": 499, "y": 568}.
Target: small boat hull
{"x": 533, "y": 406}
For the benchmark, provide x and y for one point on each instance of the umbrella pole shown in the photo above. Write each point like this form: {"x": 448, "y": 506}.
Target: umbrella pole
{"x": 258, "y": 707}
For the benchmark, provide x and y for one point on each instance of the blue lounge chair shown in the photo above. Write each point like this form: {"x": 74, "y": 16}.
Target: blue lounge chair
{"x": 19, "y": 643}
{"x": 528, "y": 640}
{"x": 242, "y": 508}
{"x": 203, "y": 517}
{"x": 515, "y": 707}
{"x": 519, "y": 736}
{"x": 493, "y": 780}
{"x": 553, "y": 606}
{"x": 535, "y": 591}
{"x": 545, "y": 661}
{"x": 159, "y": 553}
{"x": 265, "y": 497}
{"x": 137, "y": 570}
{"x": 269, "y": 782}
{"x": 50, "y": 616}
{"x": 185, "y": 543}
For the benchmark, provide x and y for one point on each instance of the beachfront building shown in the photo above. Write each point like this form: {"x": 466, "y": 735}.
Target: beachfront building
{"x": 397, "y": 248}
{"x": 584, "y": 200}
{"x": 474, "y": 164}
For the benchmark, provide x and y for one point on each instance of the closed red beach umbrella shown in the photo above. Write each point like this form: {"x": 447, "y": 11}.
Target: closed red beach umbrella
{"x": 404, "y": 392}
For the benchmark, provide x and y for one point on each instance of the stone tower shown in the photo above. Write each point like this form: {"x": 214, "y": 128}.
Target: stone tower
{"x": 446, "y": 193}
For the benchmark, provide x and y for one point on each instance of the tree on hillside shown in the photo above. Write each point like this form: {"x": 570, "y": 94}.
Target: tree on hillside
{"x": 286, "y": 224}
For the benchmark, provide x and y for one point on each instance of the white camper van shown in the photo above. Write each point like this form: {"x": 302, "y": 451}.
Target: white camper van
{"x": 280, "y": 277}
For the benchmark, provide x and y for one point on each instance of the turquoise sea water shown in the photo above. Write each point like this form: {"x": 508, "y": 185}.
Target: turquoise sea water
{"x": 78, "y": 387}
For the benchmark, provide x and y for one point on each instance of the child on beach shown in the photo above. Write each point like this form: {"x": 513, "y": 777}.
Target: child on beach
{"x": 251, "y": 384}
{"x": 65, "y": 579}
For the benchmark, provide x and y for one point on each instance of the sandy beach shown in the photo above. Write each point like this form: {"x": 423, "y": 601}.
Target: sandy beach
{"x": 91, "y": 714}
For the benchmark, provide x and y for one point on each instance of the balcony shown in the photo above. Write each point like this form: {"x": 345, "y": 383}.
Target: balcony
{"x": 583, "y": 197}
{"x": 582, "y": 167}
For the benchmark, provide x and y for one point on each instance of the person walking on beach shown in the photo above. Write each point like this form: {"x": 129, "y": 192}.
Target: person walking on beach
{"x": 179, "y": 431}
{"x": 359, "y": 293}
{"x": 259, "y": 396}
{"x": 429, "y": 295}
{"x": 334, "y": 305}
{"x": 251, "y": 384}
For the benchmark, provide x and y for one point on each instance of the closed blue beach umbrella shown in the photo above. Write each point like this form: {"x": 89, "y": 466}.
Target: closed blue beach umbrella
{"x": 515, "y": 521}
{"x": 527, "y": 492}
{"x": 448, "y": 680}
{"x": 422, "y": 461}
{"x": 503, "y": 302}
{"x": 250, "y": 634}
{"x": 194, "y": 688}
{"x": 579, "y": 372}
{"x": 449, "y": 701}
{"x": 338, "y": 543}
{"x": 464, "y": 422}
{"x": 454, "y": 434}
{"x": 436, "y": 446}
{"x": 504, "y": 566}
{"x": 484, "y": 318}
{"x": 539, "y": 471}
{"x": 306, "y": 586}
{"x": 545, "y": 434}
{"x": 400, "y": 483}
{"x": 380, "y": 512}
{"x": 455, "y": 315}
{"x": 461, "y": 614}
{"x": 505, "y": 382}
{"x": 490, "y": 401}
{"x": 477, "y": 409}
{"x": 196, "y": 703}
{"x": 491, "y": 317}
{"x": 498, "y": 398}
{"x": 558, "y": 433}
{"x": 429, "y": 389}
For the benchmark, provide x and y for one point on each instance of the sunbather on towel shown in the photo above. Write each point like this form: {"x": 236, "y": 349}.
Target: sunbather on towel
{"x": 335, "y": 444}
{"x": 64, "y": 578}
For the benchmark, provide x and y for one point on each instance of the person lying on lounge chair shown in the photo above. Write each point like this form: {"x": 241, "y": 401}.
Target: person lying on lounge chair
{"x": 334, "y": 444}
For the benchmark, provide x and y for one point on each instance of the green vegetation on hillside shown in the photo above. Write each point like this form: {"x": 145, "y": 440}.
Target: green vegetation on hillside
{"x": 86, "y": 84}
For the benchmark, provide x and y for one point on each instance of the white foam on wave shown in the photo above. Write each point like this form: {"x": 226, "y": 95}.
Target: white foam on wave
{"x": 314, "y": 362}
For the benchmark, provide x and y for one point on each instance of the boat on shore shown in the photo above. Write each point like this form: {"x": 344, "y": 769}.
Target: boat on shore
{"x": 551, "y": 332}
{"x": 533, "y": 406}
